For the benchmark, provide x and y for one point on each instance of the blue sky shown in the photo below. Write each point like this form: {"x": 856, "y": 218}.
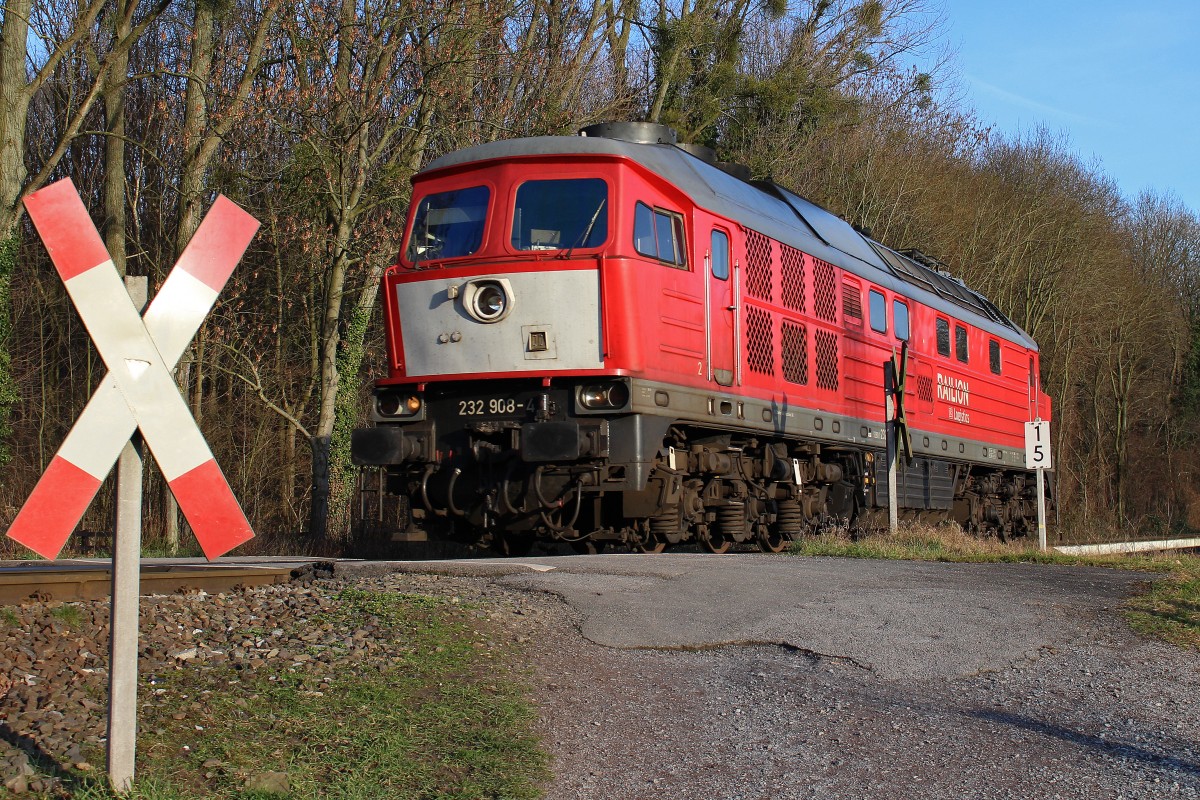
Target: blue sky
{"x": 1120, "y": 79}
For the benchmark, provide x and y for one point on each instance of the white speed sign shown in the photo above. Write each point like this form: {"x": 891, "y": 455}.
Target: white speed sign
{"x": 1037, "y": 445}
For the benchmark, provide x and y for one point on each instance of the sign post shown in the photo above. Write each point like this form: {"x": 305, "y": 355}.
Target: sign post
{"x": 1037, "y": 458}
{"x": 123, "y": 617}
{"x": 137, "y": 400}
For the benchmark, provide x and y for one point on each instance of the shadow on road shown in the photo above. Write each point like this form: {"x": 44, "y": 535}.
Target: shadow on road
{"x": 1097, "y": 743}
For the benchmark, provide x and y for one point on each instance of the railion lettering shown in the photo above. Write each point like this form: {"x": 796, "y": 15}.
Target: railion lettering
{"x": 953, "y": 390}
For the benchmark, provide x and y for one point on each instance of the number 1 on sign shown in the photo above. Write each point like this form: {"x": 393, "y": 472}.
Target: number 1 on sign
{"x": 1037, "y": 445}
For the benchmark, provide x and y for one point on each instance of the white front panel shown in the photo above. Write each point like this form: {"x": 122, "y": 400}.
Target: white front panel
{"x": 441, "y": 338}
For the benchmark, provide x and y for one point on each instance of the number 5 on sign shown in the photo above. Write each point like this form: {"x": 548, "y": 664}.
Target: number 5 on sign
{"x": 1037, "y": 445}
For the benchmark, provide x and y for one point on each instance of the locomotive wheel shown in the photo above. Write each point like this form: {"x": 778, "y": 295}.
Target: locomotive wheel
{"x": 716, "y": 541}
{"x": 646, "y": 541}
{"x": 771, "y": 540}
{"x": 650, "y": 547}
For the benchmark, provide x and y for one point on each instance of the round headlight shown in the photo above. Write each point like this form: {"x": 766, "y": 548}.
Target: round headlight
{"x": 490, "y": 301}
{"x": 388, "y": 404}
{"x": 604, "y": 395}
{"x": 592, "y": 396}
{"x": 618, "y": 395}
{"x": 487, "y": 299}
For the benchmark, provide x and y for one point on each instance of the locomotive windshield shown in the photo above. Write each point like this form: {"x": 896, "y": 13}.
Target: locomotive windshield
{"x": 560, "y": 214}
{"x": 449, "y": 224}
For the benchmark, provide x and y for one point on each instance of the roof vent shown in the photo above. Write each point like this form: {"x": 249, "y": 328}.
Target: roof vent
{"x": 705, "y": 154}
{"x": 636, "y": 132}
{"x": 739, "y": 171}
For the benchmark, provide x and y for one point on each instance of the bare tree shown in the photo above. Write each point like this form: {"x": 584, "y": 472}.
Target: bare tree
{"x": 19, "y": 83}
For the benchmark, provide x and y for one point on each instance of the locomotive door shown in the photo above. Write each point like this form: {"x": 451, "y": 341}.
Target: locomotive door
{"x": 719, "y": 308}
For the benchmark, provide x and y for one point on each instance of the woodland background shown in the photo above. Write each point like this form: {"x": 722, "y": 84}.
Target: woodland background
{"x": 313, "y": 116}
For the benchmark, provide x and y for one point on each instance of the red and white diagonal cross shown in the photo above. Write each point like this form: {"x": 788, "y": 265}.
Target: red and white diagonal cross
{"x": 138, "y": 392}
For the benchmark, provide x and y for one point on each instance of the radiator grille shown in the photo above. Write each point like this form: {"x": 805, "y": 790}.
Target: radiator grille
{"x": 827, "y": 360}
{"x": 825, "y": 290}
{"x": 794, "y": 345}
{"x": 758, "y": 265}
{"x": 760, "y": 343}
{"x": 925, "y": 388}
{"x": 792, "y": 272}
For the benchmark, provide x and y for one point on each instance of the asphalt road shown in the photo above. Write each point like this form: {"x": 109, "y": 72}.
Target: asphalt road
{"x": 901, "y": 619}
{"x": 750, "y": 676}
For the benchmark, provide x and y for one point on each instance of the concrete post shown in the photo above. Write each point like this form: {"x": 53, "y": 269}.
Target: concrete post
{"x": 123, "y": 623}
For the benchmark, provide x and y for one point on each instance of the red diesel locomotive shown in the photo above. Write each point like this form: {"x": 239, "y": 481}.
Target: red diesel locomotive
{"x": 612, "y": 338}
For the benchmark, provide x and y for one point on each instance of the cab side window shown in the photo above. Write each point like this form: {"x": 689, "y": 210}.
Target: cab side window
{"x": 720, "y": 254}
{"x": 943, "y": 337}
{"x": 900, "y": 319}
{"x": 960, "y": 343}
{"x": 878, "y": 311}
{"x": 659, "y": 234}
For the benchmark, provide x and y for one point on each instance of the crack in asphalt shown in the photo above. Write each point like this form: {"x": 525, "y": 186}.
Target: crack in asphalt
{"x": 700, "y": 647}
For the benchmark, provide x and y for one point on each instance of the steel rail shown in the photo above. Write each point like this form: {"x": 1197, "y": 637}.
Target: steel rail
{"x": 74, "y": 582}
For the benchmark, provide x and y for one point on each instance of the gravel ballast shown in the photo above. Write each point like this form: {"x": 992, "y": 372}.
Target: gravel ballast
{"x": 1106, "y": 714}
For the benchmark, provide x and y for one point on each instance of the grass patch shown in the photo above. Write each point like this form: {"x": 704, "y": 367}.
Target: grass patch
{"x": 433, "y": 714}
{"x": 187, "y": 547}
{"x": 68, "y": 615}
{"x": 9, "y": 618}
{"x": 1168, "y": 610}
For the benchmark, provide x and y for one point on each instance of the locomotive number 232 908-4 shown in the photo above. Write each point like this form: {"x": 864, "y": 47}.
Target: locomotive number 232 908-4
{"x": 492, "y": 405}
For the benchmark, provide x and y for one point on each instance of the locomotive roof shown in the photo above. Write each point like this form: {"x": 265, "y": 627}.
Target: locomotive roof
{"x": 775, "y": 211}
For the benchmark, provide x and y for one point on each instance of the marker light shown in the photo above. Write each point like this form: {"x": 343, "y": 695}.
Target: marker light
{"x": 397, "y": 404}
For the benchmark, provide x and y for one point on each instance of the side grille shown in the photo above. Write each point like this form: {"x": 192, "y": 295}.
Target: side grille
{"x": 852, "y": 302}
{"x": 827, "y": 360}
{"x": 795, "y": 353}
{"x": 758, "y": 265}
{"x": 792, "y": 272}
{"x": 760, "y": 342}
{"x": 825, "y": 290}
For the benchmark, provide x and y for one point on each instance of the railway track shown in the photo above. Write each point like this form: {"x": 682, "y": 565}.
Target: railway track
{"x": 92, "y": 580}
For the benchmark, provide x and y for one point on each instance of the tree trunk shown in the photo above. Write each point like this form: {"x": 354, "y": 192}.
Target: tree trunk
{"x": 14, "y": 107}
{"x": 191, "y": 198}
{"x": 14, "y": 104}
{"x": 329, "y": 380}
{"x": 9, "y": 247}
{"x": 114, "y": 144}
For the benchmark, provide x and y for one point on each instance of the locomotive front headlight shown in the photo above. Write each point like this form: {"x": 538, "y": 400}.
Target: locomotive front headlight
{"x": 388, "y": 404}
{"x": 490, "y": 301}
{"x": 604, "y": 395}
{"x": 487, "y": 300}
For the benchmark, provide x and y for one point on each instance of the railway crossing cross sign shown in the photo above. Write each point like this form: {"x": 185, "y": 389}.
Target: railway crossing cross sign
{"x": 138, "y": 393}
